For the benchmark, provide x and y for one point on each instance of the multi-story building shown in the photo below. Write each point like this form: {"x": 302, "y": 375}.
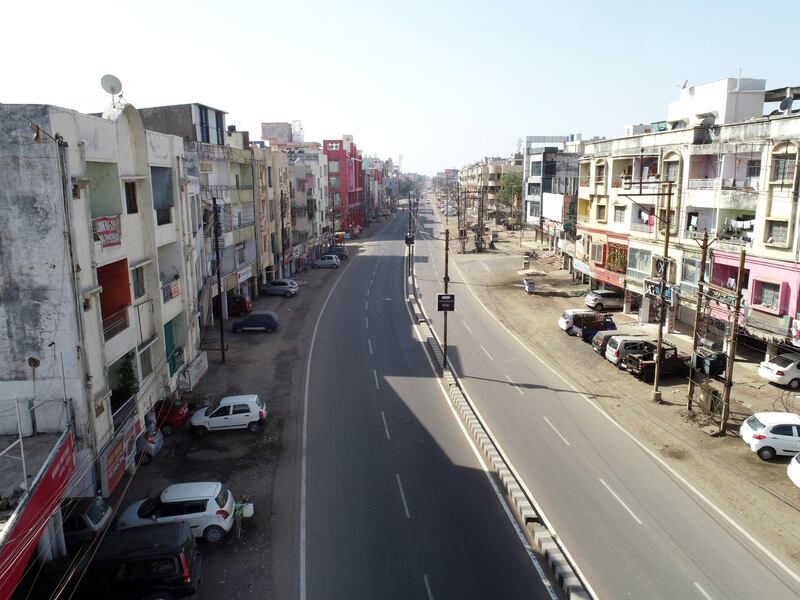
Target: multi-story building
{"x": 482, "y": 179}
{"x": 346, "y": 183}
{"x": 225, "y": 170}
{"x": 728, "y": 169}
{"x": 98, "y": 301}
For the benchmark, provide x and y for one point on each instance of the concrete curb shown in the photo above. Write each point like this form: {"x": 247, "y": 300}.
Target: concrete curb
{"x": 536, "y": 532}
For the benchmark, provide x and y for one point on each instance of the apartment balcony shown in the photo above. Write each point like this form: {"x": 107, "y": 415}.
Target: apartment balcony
{"x": 642, "y": 227}
{"x": 774, "y": 324}
{"x": 723, "y": 193}
{"x": 170, "y": 296}
{"x": 166, "y": 228}
{"x": 119, "y": 335}
{"x": 115, "y": 324}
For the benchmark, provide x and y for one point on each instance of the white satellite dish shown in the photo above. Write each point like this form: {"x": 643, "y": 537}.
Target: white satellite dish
{"x": 111, "y": 84}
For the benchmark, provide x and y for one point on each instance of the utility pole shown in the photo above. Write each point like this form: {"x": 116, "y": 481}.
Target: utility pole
{"x": 479, "y": 235}
{"x": 217, "y": 233}
{"x": 726, "y": 394}
{"x": 663, "y": 312}
{"x": 698, "y": 317}
{"x": 283, "y": 233}
{"x": 446, "y": 282}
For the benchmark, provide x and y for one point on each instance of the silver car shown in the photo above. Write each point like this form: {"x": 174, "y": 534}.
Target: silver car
{"x": 603, "y": 299}
{"x": 280, "y": 287}
{"x": 326, "y": 262}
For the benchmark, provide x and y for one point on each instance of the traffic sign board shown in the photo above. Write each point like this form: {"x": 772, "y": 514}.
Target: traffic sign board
{"x": 446, "y": 302}
{"x": 652, "y": 289}
{"x": 409, "y": 239}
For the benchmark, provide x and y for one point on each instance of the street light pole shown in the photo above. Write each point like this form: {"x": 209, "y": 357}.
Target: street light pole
{"x": 446, "y": 282}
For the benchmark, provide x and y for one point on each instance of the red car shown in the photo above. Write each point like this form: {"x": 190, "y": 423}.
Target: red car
{"x": 239, "y": 306}
{"x": 171, "y": 415}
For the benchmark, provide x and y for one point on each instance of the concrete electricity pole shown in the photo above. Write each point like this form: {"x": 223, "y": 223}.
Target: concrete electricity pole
{"x": 662, "y": 291}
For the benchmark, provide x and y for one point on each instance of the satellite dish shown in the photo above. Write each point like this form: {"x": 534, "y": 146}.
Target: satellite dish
{"x": 111, "y": 84}
{"x": 786, "y": 103}
{"x": 708, "y": 121}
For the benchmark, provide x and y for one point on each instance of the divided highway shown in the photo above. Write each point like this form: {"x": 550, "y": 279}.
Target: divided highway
{"x": 395, "y": 501}
{"x": 633, "y": 528}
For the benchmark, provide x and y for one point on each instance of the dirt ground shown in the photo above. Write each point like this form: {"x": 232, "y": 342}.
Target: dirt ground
{"x": 758, "y": 495}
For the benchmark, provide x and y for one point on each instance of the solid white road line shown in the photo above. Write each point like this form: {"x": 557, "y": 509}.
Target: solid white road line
{"x": 366, "y": 305}
{"x": 706, "y": 595}
{"x": 369, "y": 289}
{"x": 625, "y": 506}
{"x": 366, "y": 322}
{"x": 427, "y": 586}
{"x": 375, "y": 375}
{"x": 369, "y": 342}
{"x": 553, "y": 427}
{"x": 385, "y": 426}
{"x": 514, "y": 385}
{"x": 403, "y": 495}
{"x": 464, "y": 323}
{"x": 486, "y": 352}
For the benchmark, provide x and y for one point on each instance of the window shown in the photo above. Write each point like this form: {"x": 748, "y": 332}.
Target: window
{"x": 768, "y": 295}
{"x": 130, "y": 198}
{"x": 220, "y": 122}
{"x": 222, "y": 411}
{"x": 601, "y": 212}
{"x": 616, "y": 258}
{"x": 783, "y": 167}
{"x": 778, "y": 232}
{"x": 671, "y": 171}
{"x": 241, "y": 409}
{"x": 783, "y": 430}
{"x": 160, "y": 566}
{"x": 619, "y": 214}
{"x": 240, "y": 254}
{"x": 534, "y": 189}
{"x": 204, "y": 135}
{"x": 333, "y": 182}
{"x": 222, "y": 497}
{"x": 753, "y": 168}
{"x": 146, "y": 363}
{"x": 333, "y": 167}
{"x": 536, "y": 169}
{"x": 269, "y": 176}
{"x": 596, "y": 253}
{"x": 599, "y": 173}
{"x": 639, "y": 263}
{"x": 137, "y": 276}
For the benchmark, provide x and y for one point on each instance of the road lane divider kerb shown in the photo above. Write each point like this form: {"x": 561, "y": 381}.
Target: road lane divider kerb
{"x": 522, "y": 507}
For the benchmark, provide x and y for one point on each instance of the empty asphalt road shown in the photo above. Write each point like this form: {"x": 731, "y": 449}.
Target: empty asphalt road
{"x": 395, "y": 502}
{"x": 634, "y": 528}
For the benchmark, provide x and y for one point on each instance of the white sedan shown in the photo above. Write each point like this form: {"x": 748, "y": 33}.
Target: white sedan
{"x": 783, "y": 369}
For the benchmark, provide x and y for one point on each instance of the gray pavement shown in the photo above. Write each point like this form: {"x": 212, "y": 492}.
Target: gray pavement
{"x": 397, "y": 504}
{"x": 633, "y": 527}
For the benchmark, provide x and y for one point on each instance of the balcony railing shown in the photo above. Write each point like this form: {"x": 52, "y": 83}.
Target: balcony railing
{"x": 123, "y": 413}
{"x": 170, "y": 290}
{"x": 642, "y": 227}
{"x": 115, "y": 323}
{"x": 583, "y": 182}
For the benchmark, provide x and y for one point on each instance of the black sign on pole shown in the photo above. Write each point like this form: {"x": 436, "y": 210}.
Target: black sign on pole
{"x": 445, "y": 302}
{"x": 409, "y": 239}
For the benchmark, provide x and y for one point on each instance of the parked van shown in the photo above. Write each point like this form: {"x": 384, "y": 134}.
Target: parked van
{"x": 619, "y": 346}
{"x": 566, "y": 318}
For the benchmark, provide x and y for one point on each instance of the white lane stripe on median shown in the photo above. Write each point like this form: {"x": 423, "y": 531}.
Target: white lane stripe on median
{"x": 369, "y": 342}
{"x": 427, "y": 586}
{"x": 402, "y": 495}
{"x": 375, "y": 375}
{"x": 486, "y": 352}
{"x": 514, "y": 385}
{"x": 385, "y": 426}
{"x": 464, "y": 323}
{"x": 558, "y": 433}
{"x": 366, "y": 322}
{"x": 706, "y": 595}
{"x": 625, "y": 506}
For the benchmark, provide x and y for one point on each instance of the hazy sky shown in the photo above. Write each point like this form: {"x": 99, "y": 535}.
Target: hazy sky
{"x": 443, "y": 82}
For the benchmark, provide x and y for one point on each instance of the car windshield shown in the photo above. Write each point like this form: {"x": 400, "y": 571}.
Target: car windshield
{"x": 612, "y": 343}
{"x": 97, "y": 510}
{"x": 148, "y": 507}
{"x": 755, "y": 423}
{"x": 259, "y": 402}
{"x": 783, "y": 360}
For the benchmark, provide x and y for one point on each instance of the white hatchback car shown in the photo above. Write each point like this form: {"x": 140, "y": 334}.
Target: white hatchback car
{"x": 603, "y": 299}
{"x": 771, "y": 433}
{"x": 206, "y": 506}
{"x": 328, "y": 261}
{"x": 232, "y": 412}
{"x": 783, "y": 369}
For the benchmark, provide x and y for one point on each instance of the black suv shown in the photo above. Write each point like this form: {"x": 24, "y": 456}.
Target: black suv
{"x": 151, "y": 562}
{"x": 340, "y": 251}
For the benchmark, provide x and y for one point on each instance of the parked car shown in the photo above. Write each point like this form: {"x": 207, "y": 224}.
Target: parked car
{"x": 603, "y": 299}
{"x": 643, "y": 364}
{"x": 84, "y": 518}
{"x": 793, "y": 470}
{"x": 565, "y": 320}
{"x": 239, "y": 305}
{"x": 266, "y": 321}
{"x": 232, "y": 412}
{"x": 206, "y": 506}
{"x": 619, "y": 346}
{"x": 601, "y": 338}
{"x": 772, "y": 433}
{"x": 150, "y": 562}
{"x": 280, "y": 287}
{"x": 171, "y": 414}
{"x": 327, "y": 261}
{"x": 783, "y": 369}
{"x": 586, "y": 325}
{"x": 149, "y": 444}
{"x": 340, "y": 251}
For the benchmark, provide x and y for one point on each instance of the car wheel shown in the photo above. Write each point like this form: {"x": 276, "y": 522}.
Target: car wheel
{"x": 213, "y": 534}
{"x": 766, "y": 453}
{"x": 160, "y": 596}
{"x": 794, "y": 384}
{"x": 201, "y": 430}
{"x": 288, "y": 294}
{"x": 313, "y": 266}
{"x": 167, "y": 429}
{"x": 145, "y": 458}
{"x": 599, "y": 307}
{"x": 254, "y": 427}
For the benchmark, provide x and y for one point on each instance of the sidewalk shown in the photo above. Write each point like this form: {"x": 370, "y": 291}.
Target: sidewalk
{"x": 757, "y": 494}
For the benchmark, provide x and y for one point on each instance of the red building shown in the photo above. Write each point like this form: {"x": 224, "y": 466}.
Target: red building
{"x": 345, "y": 182}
